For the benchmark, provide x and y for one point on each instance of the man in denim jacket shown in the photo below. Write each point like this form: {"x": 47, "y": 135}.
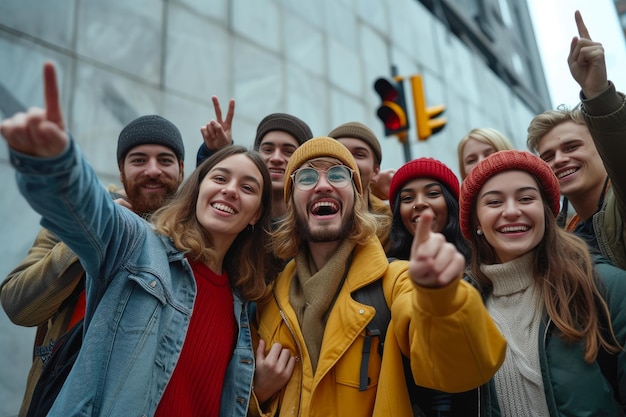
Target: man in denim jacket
{"x": 140, "y": 288}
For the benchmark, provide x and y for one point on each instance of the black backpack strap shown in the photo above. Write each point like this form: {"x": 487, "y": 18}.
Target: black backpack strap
{"x": 56, "y": 370}
{"x": 374, "y": 296}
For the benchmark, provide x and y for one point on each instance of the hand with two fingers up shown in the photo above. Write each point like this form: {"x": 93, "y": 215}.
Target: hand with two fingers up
{"x": 218, "y": 133}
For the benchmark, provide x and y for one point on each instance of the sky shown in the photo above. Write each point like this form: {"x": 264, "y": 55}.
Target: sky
{"x": 555, "y": 27}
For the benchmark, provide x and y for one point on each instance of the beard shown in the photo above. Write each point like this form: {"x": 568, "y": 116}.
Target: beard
{"x": 325, "y": 234}
{"x": 144, "y": 203}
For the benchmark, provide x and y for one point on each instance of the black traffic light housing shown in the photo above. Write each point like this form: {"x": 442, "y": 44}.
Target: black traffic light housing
{"x": 392, "y": 111}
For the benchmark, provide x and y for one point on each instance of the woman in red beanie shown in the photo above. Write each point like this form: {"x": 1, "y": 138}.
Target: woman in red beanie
{"x": 561, "y": 313}
{"x": 424, "y": 184}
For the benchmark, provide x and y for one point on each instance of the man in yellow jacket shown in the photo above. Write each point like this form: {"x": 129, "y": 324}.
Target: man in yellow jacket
{"x": 315, "y": 331}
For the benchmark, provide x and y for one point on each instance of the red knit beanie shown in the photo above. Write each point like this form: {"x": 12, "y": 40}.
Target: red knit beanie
{"x": 506, "y": 161}
{"x": 423, "y": 168}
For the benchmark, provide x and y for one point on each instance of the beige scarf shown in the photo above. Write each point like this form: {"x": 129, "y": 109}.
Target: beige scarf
{"x": 312, "y": 294}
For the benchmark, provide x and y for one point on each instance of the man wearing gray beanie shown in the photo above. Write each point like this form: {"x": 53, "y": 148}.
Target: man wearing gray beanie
{"x": 151, "y": 158}
{"x": 278, "y": 135}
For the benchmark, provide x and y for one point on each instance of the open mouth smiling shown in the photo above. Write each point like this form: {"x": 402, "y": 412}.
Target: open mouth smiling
{"x": 514, "y": 229}
{"x": 223, "y": 207}
{"x": 566, "y": 172}
{"x": 324, "y": 208}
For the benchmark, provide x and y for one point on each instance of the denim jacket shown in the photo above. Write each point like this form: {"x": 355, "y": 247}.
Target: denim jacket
{"x": 140, "y": 296}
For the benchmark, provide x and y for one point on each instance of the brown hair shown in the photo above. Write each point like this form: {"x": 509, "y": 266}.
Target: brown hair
{"x": 568, "y": 283}
{"x": 248, "y": 262}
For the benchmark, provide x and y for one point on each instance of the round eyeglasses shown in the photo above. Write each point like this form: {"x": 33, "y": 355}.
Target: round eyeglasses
{"x": 338, "y": 176}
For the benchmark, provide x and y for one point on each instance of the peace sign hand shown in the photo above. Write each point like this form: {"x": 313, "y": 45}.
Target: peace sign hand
{"x": 434, "y": 262}
{"x": 218, "y": 133}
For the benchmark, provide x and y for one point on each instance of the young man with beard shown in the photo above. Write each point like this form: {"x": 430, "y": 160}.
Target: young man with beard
{"x": 47, "y": 288}
{"x": 316, "y": 331}
{"x": 584, "y": 148}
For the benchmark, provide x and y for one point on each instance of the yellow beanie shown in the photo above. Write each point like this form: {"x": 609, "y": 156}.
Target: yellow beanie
{"x": 316, "y": 148}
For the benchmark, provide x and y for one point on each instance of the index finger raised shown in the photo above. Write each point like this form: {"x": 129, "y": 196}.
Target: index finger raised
{"x": 422, "y": 229}
{"x": 51, "y": 95}
{"x": 583, "y": 32}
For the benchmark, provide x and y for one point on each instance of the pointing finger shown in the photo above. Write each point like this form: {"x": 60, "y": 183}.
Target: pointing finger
{"x": 422, "y": 229}
{"x": 582, "y": 29}
{"x": 51, "y": 93}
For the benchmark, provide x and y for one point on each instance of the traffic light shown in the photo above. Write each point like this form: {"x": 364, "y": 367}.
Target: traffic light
{"x": 392, "y": 112}
{"x": 425, "y": 117}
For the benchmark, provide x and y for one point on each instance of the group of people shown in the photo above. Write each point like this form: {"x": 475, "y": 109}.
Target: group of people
{"x": 240, "y": 290}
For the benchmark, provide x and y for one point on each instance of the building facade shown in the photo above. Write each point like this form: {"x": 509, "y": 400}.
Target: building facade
{"x": 316, "y": 59}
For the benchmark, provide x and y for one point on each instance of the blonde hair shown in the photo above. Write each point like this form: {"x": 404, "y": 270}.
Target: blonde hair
{"x": 543, "y": 123}
{"x": 486, "y": 135}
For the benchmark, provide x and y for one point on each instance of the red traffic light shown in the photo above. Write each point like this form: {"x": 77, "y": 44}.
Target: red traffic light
{"x": 392, "y": 111}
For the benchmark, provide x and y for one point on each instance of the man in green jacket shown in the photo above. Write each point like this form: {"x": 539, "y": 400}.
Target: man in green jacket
{"x": 585, "y": 148}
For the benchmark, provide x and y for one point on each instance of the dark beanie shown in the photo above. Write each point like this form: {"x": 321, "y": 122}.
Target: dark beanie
{"x": 150, "y": 130}
{"x": 506, "y": 161}
{"x": 284, "y": 123}
{"x": 359, "y": 131}
{"x": 423, "y": 168}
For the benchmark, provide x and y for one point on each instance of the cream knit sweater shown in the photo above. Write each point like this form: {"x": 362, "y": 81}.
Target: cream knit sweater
{"x": 515, "y": 305}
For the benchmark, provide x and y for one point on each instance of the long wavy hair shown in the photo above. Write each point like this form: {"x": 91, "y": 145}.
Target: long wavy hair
{"x": 401, "y": 239}
{"x": 564, "y": 271}
{"x": 287, "y": 237}
{"x": 249, "y": 263}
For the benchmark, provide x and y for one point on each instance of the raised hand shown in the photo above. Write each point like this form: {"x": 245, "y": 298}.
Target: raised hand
{"x": 586, "y": 61}
{"x": 434, "y": 262}
{"x": 218, "y": 133}
{"x": 39, "y": 132}
{"x": 272, "y": 371}
{"x": 380, "y": 183}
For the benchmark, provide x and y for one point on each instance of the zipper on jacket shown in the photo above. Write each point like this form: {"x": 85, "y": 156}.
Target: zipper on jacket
{"x": 298, "y": 359}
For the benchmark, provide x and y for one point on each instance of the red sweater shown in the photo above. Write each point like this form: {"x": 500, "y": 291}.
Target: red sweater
{"x": 196, "y": 385}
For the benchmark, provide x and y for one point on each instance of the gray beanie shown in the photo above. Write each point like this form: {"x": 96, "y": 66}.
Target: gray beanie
{"x": 359, "y": 131}
{"x": 284, "y": 123}
{"x": 150, "y": 130}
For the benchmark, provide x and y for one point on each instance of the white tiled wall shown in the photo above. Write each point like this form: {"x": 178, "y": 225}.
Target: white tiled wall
{"x": 316, "y": 59}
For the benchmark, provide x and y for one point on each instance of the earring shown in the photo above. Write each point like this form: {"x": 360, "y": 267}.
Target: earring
{"x": 479, "y": 232}
{"x": 250, "y": 228}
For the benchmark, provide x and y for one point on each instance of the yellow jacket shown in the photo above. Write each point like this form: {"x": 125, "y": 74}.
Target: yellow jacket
{"x": 453, "y": 343}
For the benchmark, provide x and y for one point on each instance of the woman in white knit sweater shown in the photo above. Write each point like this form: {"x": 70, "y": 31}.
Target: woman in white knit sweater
{"x": 563, "y": 315}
